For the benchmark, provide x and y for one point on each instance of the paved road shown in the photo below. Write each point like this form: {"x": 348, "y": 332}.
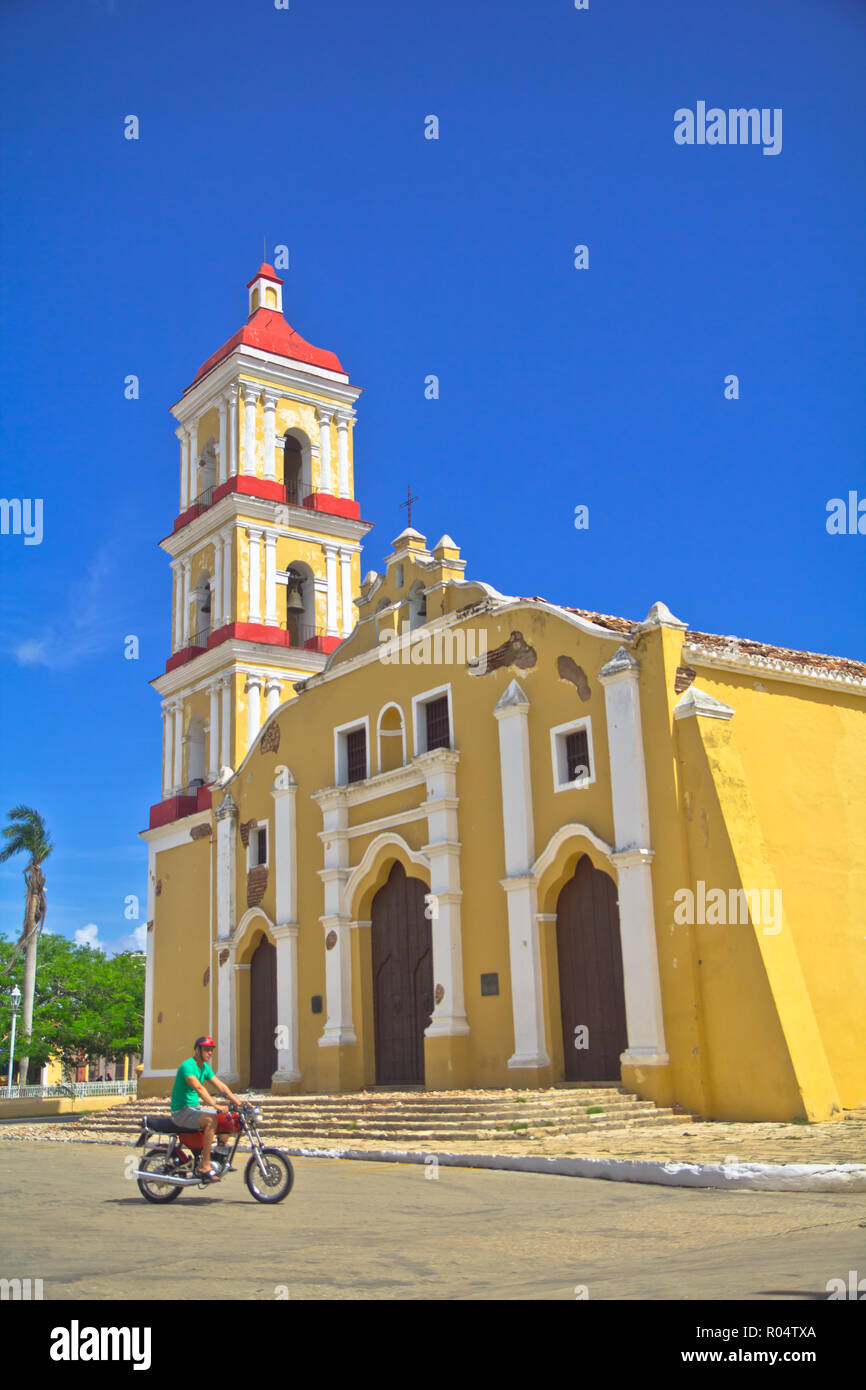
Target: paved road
{"x": 357, "y": 1230}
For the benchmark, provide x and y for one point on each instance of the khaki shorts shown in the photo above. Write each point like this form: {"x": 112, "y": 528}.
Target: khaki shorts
{"x": 193, "y": 1116}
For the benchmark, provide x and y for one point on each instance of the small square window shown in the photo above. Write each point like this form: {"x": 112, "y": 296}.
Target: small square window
{"x": 571, "y": 750}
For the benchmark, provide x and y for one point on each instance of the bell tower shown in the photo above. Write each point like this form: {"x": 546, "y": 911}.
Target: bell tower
{"x": 265, "y": 549}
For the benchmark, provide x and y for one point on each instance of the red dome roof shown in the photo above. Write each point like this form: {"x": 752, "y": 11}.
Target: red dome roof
{"x": 267, "y": 330}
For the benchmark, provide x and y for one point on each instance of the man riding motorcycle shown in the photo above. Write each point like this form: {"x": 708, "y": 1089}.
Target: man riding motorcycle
{"x": 187, "y": 1095}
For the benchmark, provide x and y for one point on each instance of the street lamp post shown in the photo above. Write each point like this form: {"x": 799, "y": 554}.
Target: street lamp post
{"x": 16, "y": 1004}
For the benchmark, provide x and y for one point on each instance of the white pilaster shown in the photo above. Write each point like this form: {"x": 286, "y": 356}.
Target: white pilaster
{"x": 273, "y": 687}
{"x": 325, "y": 414}
{"x": 339, "y": 1027}
{"x": 346, "y": 590}
{"x": 343, "y": 417}
{"x": 167, "y": 732}
{"x": 271, "y": 579}
{"x": 226, "y": 722}
{"x": 223, "y": 444}
{"x": 213, "y": 731}
{"x": 248, "y": 457}
{"x": 254, "y": 535}
{"x": 183, "y": 436}
{"x": 254, "y": 708}
{"x": 226, "y": 816}
{"x": 443, "y": 850}
{"x": 512, "y": 714}
{"x": 270, "y": 463}
{"x": 192, "y": 464}
{"x": 331, "y": 580}
{"x": 233, "y": 432}
{"x": 646, "y": 1039}
{"x": 177, "y": 778}
{"x": 227, "y": 605}
{"x": 177, "y": 599}
{"x": 187, "y": 566}
{"x": 285, "y": 933}
{"x": 216, "y": 589}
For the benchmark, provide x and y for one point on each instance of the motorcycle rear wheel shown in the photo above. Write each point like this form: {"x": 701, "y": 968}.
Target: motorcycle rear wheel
{"x": 280, "y": 1178}
{"x": 154, "y": 1191}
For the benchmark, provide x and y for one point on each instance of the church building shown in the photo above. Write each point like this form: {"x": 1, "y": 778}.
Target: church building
{"x": 417, "y": 832}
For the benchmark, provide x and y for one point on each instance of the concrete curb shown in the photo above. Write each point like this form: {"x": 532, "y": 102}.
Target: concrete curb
{"x": 749, "y": 1177}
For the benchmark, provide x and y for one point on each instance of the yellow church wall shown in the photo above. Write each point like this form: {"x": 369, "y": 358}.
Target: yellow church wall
{"x": 181, "y": 953}
{"x": 804, "y": 756}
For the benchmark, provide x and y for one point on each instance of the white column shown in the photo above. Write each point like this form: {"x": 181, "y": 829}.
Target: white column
{"x": 331, "y": 579}
{"x": 216, "y": 588}
{"x": 325, "y": 414}
{"x": 285, "y": 932}
{"x": 182, "y": 436}
{"x": 255, "y": 542}
{"x": 167, "y": 769}
{"x": 643, "y": 1004}
{"x": 346, "y": 590}
{"x": 271, "y": 579}
{"x": 227, "y": 605}
{"x": 187, "y": 566}
{"x": 254, "y": 708}
{"x": 223, "y": 444}
{"x": 177, "y": 598}
{"x": 192, "y": 464}
{"x": 273, "y": 688}
{"x": 226, "y": 686}
{"x": 177, "y": 779}
{"x": 343, "y": 418}
{"x": 443, "y": 850}
{"x": 233, "y": 432}
{"x": 512, "y": 715}
{"x": 339, "y": 1029}
{"x": 214, "y": 731}
{"x": 248, "y": 457}
{"x": 270, "y": 471}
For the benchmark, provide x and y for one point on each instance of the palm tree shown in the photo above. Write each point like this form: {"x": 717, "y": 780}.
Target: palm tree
{"x": 26, "y": 832}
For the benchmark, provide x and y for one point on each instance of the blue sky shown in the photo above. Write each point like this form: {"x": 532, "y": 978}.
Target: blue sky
{"x": 408, "y": 256}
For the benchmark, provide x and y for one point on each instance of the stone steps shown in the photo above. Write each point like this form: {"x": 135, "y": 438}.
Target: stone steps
{"x": 407, "y": 1117}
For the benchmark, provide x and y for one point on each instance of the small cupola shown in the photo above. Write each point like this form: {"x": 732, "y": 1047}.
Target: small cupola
{"x": 266, "y": 290}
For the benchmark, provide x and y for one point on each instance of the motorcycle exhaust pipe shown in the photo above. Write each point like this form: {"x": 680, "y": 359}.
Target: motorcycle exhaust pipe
{"x": 159, "y": 1177}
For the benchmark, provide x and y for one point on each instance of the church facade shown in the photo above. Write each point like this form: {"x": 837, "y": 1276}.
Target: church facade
{"x": 417, "y": 832}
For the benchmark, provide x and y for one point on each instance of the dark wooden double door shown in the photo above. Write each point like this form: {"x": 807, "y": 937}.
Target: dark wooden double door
{"x": 591, "y": 992}
{"x": 402, "y": 948}
{"x": 263, "y": 1015}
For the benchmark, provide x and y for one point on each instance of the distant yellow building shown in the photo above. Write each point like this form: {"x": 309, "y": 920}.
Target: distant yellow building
{"x": 417, "y": 832}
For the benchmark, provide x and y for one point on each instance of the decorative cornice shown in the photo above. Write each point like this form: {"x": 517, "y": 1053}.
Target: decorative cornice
{"x": 747, "y": 664}
{"x": 227, "y": 810}
{"x": 661, "y": 616}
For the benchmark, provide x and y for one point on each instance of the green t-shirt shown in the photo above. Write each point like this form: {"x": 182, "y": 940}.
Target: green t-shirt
{"x": 182, "y": 1094}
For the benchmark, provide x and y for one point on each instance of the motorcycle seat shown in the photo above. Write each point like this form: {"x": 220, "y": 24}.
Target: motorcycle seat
{"x": 161, "y": 1124}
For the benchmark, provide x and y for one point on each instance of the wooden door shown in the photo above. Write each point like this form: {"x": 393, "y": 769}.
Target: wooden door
{"x": 402, "y": 947}
{"x": 591, "y": 989}
{"x": 263, "y": 1015}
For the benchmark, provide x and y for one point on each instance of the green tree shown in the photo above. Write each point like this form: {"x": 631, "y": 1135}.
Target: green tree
{"x": 87, "y": 1004}
{"x": 26, "y": 834}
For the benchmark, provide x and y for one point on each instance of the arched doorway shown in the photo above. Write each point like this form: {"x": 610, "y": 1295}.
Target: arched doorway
{"x": 402, "y": 948}
{"x": 591, "y": 992}
{"x": 263, "y": 1015}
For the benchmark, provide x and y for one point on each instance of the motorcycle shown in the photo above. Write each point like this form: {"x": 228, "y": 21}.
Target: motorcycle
{"x": 166, "y": 1170}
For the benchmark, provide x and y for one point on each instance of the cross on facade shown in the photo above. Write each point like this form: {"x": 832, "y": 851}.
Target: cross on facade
{"x": 408, "y": 503}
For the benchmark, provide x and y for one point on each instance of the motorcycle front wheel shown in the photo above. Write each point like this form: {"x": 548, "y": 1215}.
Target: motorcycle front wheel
{"x": 151, "y": 1188}
{"x": 278, "y": 1183}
